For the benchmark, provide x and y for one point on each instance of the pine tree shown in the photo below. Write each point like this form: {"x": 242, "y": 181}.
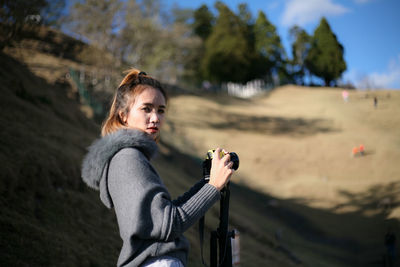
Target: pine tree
{"x": 300, "y": 48}
{"x": 202, "y": 25}
{"x": 258, "y": 63}
{"x": 268, "y": 46}
{"x": 227, "y": 50}
{"x": 325, "y": 57}
{"x": 203, "y": 22}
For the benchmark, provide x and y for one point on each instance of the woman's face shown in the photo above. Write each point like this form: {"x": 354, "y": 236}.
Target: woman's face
{"x": 147, "y": 112}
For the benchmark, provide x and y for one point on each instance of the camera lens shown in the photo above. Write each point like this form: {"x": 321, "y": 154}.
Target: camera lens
{"x": 235, "y": 160}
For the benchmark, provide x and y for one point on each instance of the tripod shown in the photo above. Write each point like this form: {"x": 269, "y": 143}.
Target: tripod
{"x": 221, "y": 238}
{"x": 220, "y": 241}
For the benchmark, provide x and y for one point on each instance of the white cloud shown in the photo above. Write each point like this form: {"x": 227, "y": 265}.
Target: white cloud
{"x": 301, "y": 12}
{"x": 389, "y": 79}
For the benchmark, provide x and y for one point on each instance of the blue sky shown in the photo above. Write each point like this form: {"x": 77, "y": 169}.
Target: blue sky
{"x": 369, "y": 30}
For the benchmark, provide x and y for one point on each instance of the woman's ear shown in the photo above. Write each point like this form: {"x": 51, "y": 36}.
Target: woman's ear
{"x": 122, "y": 117}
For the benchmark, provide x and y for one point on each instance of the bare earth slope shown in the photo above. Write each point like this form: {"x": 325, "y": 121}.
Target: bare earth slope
{"x": 48, "y": 217}
{"x": 299, "y": 197}
{"x": 296, "y": 145}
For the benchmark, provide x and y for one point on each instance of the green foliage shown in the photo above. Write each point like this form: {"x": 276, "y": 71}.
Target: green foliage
{"x": 203, "y": 22}
{"x": 325, "y": 57}
{"x": 183, "y": 44}
{"x": 267, "y": 41}
{"x": 268, "y": 46}
{"x": 139, "y": 34}
{"x": 300, "y": 48}
{"x": 228, "y": 54}
{"x": 202, "y": 25}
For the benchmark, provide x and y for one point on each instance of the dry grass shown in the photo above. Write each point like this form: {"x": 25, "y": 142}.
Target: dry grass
{"x": 299, "y": 198}
{"x": 297, "y": 142}
{"x": 295, "y": 146}
{"x": 48, "y": 217}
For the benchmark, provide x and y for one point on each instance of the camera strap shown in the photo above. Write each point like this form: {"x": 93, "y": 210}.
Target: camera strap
{"x": 206, "y": 177}
{"x": 201, "y": 238}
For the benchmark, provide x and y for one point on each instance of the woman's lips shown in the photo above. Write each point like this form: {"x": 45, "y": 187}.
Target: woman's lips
{"x": 152, "y": 129}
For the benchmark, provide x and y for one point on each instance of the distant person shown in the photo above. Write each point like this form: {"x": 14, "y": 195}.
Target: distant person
{"x": 345, "y": 96}
{"x": 206, "y": 85}
{"x": 375, "y": 102}
{"x": 151, "y": 225}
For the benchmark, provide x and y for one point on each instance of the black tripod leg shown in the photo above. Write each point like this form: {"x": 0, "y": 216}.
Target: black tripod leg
{"x": 225, "y": 248}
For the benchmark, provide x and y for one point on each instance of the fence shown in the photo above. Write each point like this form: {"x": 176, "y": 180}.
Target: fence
{"x": 84, "y": 95}
{"x": 250, "y": 89}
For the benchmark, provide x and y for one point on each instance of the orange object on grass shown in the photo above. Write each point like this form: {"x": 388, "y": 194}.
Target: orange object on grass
{"x": 361, "y": 149}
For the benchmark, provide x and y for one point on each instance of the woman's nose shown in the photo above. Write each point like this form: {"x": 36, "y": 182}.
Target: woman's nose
{"x": 154, "y": 117}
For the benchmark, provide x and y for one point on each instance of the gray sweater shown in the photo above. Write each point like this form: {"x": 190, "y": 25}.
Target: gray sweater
{"x": 150, "y": 223}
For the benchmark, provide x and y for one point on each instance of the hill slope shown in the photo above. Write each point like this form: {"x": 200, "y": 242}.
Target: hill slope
{"x": 295, "y": 146}
{"x": 298, "y": 198}
{"x": 48, "y": 217}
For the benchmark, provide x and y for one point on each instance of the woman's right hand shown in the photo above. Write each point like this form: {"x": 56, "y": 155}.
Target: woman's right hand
{"x": 221, "y": 169}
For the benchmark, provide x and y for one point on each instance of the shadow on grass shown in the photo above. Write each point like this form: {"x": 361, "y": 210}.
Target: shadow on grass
{"x": 47, "y": 214}
{"x": 302, "y": 234}
{"x": 275, "y": 125}
{"x": 379, "y": 199}
{"x": 263, "y": 124}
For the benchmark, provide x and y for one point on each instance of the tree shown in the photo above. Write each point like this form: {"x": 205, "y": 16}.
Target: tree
{"x": 96, "y": 21}
{"x": 161, "y": 47}
{"x": 203, "y": 22}
{"x": 179, "y": 48}
{"x": 14, "y": 15}
{"x": 227, "y": 49}
{"x": 300, "y": 47}
{"x": 202, "y": 25}
{"x": 140, "y": 35}
{"x": 52, "y": 14}
{"x": 268, "y": 46}
{"x": 325, "y": 57}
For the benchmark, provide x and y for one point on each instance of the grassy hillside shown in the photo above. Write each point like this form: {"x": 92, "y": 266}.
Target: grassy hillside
{"x": 295, "y": 147}
{"x": 48, "y": 217}
{"x": 298, "y": 199}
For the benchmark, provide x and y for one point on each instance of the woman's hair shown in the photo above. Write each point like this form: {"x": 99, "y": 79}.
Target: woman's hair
{"x": 134, "y": 83}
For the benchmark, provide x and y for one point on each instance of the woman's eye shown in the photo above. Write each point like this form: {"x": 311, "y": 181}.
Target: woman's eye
{"x": 161, "y": 111}
{"x": 146, "y": 109}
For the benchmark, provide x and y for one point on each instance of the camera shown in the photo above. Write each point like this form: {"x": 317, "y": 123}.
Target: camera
{"x": 234, "y": 157}
{"x": 209, "y": 157}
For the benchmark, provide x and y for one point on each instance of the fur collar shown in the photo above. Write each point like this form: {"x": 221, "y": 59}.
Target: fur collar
{"x": 103, "y": 149}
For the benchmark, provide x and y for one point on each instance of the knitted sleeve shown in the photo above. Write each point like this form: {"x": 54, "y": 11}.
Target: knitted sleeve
{"x": 143, "y": 205}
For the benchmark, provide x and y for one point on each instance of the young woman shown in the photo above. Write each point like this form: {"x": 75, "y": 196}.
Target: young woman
{"x": 118, "y": 164}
